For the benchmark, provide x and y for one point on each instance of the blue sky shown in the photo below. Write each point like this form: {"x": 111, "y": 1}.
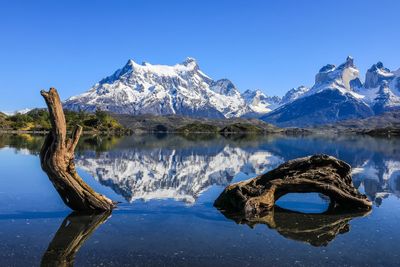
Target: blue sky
{"x": 268, "y": 45}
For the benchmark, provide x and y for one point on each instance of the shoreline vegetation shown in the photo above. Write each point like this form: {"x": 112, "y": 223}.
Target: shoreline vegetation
{"x": 37, "y": 121}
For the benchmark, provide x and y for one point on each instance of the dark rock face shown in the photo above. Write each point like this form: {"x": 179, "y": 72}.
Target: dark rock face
{"x": 224, "y": 86}
{"x": 324, "y": 107}
{"x": 386, "y": 100}
{"x": 319, "y": 173}
{"x": 376, "y": 75}
{"x": 356, "y": 84}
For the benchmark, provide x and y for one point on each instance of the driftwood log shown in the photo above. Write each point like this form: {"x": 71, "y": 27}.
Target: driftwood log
{"x": 72, "y": 234}
{"x": 319, "y": 173}
{"x": 57, "y": 160}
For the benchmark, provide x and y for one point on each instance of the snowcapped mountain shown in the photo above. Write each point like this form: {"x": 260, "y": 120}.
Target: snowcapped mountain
{"x": 376, "y": 77}
{"x": 182, "y": 89}
{"x": 343, "y": 78}
{"x": 259, "y": 103}
{"x": 294, "y": 94}
{"x": 21, "y": 111}
{"x": 338, "y": 94}
{"x": 385, "y": 99}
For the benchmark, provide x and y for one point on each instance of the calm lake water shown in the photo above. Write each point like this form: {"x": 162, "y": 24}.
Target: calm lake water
{"x": 167, "y": 185}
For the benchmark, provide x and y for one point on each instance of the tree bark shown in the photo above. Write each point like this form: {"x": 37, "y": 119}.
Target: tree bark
{"x": 57, "y": 160}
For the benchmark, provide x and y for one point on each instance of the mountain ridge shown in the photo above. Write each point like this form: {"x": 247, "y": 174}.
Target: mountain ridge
{"x": 184, "y": 90}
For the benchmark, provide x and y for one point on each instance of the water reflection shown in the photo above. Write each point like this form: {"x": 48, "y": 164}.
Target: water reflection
{"x": 177, "y": 167}
{"x": 194, "y": 170}
{"x": 163, "y": 173}
{"x": 72, "y": 234}
{"x": 174, "y": 167}
{"x": 316, "y": 229}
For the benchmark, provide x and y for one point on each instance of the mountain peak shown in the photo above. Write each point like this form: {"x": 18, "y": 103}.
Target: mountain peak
{"x": 260, "y": 103}
{"x": 343, "y": 77}
{"x": 378, "y": 67}
{"x": 189, "y": 60}
{"x": 327, "y": 67}
{"x": 190, "y": 63}
{"x": 180, "y": 89}
{"x": 350, "y": 61}
{"x": 294, "y": 94}
{"x": 376, "y": 75}
{"x": 385, "y": 99}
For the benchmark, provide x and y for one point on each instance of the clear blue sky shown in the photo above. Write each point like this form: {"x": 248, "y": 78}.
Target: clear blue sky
{"x": 270, "y": 45}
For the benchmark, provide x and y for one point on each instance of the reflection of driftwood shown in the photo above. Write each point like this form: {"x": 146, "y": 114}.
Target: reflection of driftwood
{"x": 73, "y": 232}
{"x": 320, "y": 173}
{"x": 57, "y": 159}
{"x": 314, "y": 229}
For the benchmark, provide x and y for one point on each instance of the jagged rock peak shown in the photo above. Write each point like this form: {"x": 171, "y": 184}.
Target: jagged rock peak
{"x": 377, "y": 74}
{"x": 294, "y": 94}
{"x": 189, "y": 60}
{"x": 327, "y": 67}
{"x": 330, "y": 76}
{"x": 260, "y": 103}
{"x": 181, "y": 89}
{"x": 378, "y": 66}
{"x": 224, "y": 87}
{"x": 191, "y": 63}
{"x": 385, "y": 99}
{"x": 349, "y": 62}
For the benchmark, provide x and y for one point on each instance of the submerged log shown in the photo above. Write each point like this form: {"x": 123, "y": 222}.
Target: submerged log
{"x": 320, "y": 173}
{"x": 57, "y": 160}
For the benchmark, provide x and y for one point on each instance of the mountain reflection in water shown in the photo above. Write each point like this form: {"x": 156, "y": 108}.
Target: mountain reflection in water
{"x": 146, "y": 167}
{"x": 173, "y": 167}
{"x": 179, "y": 178}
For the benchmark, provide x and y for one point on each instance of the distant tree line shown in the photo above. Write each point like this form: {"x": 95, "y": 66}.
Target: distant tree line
{"x": 38, "y": 120}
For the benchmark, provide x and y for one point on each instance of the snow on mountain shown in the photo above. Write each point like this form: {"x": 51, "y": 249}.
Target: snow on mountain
{"x": 159, "y": 89}
{"x": 183, "y": 89}
{"x": 21, "y": 111}
{"x": 385, "y": 100}
{"x": 294, "y": 94}
{"x": 332, "y": 98}
{"x": 259, "y": 102}
{"x": 170, "y": 174}
{"x": 375, "y": 78}
{"x": 376, "y": 75}
{"x": 341, "y": 78}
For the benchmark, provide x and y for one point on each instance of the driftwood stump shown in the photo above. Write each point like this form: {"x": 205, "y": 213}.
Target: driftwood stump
{"x": 57, "y": 160}
{"x": 320, "y": 174}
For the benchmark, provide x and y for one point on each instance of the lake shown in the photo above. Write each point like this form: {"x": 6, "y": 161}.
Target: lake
{"x": 167, "y": 185}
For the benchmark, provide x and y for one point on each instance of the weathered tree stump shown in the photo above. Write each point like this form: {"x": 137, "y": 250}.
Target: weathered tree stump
{"x": 72, "y": 234}
{"x": 57, "y": 160}
{"x": 320, "y": 173}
